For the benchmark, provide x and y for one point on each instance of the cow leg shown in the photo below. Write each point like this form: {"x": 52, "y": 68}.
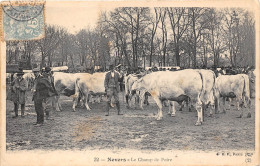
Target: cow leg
{"x": 199, "y": 111}
{"x": 159, "y": 104}
{"x": 74, "y": 104}
{"x": 126, "y": 99}
{"x": 172, "y": 108}
{"x": 182, "y": 105}
{"x": 91, "y": 100}
{"x": 57, "y": 103}
{"x": 137, "y": 99}
{"x": 142, "y": 95}
{"x": 238, "y": 108}
{"x": 216, "y": 101}
{"x": 166, "y": 103}
{"x": 224, "y": 105}
{"x": 146, "y": 99}
{"x": 211, "y": 108}
{"x": 212, "y": 104}
{"x": 248, "y": 105}
{"x": 98, "y": 99}
{"x": 86, "y": 102}
{"x": 75, "y": 99}
{"x": 230, "y": 103}
{"x": 249, "y": 112}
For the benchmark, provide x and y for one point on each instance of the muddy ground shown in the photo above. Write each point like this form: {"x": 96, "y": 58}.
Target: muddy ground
{"x": 136, "y": 129}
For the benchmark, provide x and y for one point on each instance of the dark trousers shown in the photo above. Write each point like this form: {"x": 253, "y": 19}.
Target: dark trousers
{"x": 16, "y": 106}
{"x": 39, "y": 111}
{"x": 112, "y": 92}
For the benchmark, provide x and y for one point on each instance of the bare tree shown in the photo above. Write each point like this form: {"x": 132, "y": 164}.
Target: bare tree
{"x": 49, "y": 43}
{"x": 179, "y": 23}
{"x": 198, "y": 23}
{"x": 81, "y": 42}
{"x": 155, "y": 23}
{"x": 164, "y": 35}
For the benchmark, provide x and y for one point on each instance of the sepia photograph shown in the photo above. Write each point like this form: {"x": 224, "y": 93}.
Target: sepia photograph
{"x": 129, "y": 82}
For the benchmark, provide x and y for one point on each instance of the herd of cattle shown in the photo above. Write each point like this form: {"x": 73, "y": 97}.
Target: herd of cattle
{"x": 199, "y": 88}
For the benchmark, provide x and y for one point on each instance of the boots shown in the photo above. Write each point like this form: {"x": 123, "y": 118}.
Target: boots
{"x": 107, "y": 108}
{"x": 118, "y": 108}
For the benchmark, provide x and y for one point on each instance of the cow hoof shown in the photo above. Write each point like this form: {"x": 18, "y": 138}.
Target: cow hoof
{"x": 172, "y": 115}
{"x": 249, "y": 115}
{"x": 73, "y": 111}
{"x": 158, "y": 118}
{"x": 240, "y": 116}
{"x": 198, "y": 124}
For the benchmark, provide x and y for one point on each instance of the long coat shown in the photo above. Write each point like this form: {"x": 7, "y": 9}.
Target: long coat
{"x": 108, "y": 79}
{"x": 19, "y": 88}
{"x": 44, "y": 88}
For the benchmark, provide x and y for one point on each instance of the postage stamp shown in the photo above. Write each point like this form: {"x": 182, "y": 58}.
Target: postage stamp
{"x": 23, "y": 22}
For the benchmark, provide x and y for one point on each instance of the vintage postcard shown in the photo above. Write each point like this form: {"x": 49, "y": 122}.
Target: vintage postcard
{"x": 129, "y": 82}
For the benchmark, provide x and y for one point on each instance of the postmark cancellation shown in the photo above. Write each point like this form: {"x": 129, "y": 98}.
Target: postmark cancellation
{"x": 22, "y": 20}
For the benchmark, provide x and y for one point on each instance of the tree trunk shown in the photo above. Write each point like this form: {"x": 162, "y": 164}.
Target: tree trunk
{"x": 43, "y": 61}
{"x": 194, "y": 59}
{"x": 177, "y": 55}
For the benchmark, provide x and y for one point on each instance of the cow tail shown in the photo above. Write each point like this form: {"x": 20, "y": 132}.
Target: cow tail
{"x": 77, "y": 88}
{"x": 126, "y": 78}
{"x": 203, "y": 86}
{"x": 215, "y": 93}
{"x": 246, "y": 90}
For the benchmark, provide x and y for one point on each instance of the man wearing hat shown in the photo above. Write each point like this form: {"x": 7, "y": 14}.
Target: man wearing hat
{"x": 38, "y": 97}
{"x": 112, "y": 88}
{"x": 19, "y": 86}
{"x": 47, "y": 102}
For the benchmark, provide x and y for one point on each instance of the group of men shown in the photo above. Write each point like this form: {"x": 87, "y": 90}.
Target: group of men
{"x": 44, "y": 91}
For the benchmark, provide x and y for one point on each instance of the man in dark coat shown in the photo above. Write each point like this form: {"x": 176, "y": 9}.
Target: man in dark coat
{"x": 48, "y": 102}
{"x": 19, "y": 87}
{"x": 111, "y": 84}
{"x": 43, "y": 89}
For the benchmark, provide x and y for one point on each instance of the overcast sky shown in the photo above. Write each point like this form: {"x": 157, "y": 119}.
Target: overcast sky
{"x": 74, "y": 16}
{"x": 80, "y": 14}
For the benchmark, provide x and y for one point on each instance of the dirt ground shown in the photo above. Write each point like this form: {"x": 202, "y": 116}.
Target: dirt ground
{"x": 136, "y": 129}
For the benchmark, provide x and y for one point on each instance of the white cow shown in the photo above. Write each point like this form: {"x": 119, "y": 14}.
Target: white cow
{"x": 129, "y": 81}
{"x": 234, "y": 86}
{"x": 65, "y": 85}
{"x": 29, "y": 77}
{"x": 175, "y": 86}
{"x": 209, "y": 86}
{"x": 92, "y": 85}
{"x": 85, "y": 86}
